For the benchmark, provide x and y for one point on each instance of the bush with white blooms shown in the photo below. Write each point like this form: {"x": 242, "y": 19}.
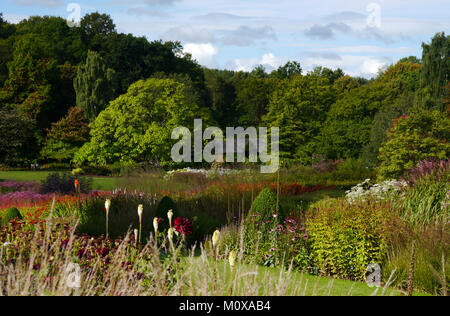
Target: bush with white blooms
{"x": 378, "y": 192}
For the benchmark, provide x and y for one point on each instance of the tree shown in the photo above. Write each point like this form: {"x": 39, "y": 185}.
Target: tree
{"x": 16, "y": 138}
{"x": 324, "y": 72}
{"x": 422, "y": 135}
{"x": 291, "y": 68}
{"x": 66, "y": 136}
{"x": 348, "y": 127}
{"x": 64, "y": 43}
{"x": 137, "y": 126}
{"x": 298, "y": 107}
{"x": 435, "y": 72}
{"x": 344, "y": 84}
{"x": 252, "y": 99}
{"x": 95, "y": 85}
{"x": 222, "y": 98}
{"x": 96, "y": 30}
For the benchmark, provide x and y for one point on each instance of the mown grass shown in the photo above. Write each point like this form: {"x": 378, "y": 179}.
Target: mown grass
{"x": 292, "y": 282}
{"x": 99, "y": 183}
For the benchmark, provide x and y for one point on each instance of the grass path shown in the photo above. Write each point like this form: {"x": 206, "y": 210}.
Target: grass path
{"x": 99, "y": 183}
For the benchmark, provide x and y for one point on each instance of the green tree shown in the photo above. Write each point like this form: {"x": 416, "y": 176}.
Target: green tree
{"x": 66, "y": 136}
{"x": 222, "y": 98}
{"x": 137, "y": 126}
{"x": 95, "y": 85}
{"x": 96, "y": 30}
{"x": 299, "y": 107}
{"x": 16, "y": 138}
{"x": 422, "y": 135}
{"x": 348, "y": 127}
{"x": 253, "y": 97}
{"x": 291, "y": 68}
{"x": 324, "y": 72}
{"x": 435, "y": 72}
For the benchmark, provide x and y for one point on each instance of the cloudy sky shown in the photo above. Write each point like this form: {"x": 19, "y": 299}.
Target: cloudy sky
{"x": 356, "y": 35}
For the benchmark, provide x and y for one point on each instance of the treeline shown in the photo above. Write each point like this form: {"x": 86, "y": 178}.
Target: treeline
{"x": 91, "y": 95}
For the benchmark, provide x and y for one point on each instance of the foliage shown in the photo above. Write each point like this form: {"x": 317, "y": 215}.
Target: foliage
{"x": 265, "y": 205}
{"x": 299, "y": 107}
{"x": 64, "y": 183}
{"x": 164, "y": 206}
{"x": 435, "y": 72}
{"x": 12, "y": 214}
{"x": 344, "y": 239}
{"x": 421, "y": 135}
{"x": 95, "y": 85}
{"x": 16, "y": 137}
{"x": 66, "y": 136}
{"x": 427, "y": 196}
{"x": 137, "y": 126}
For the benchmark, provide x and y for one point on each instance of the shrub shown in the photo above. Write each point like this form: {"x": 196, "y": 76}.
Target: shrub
{"x": 164, "y": 206}
{"x": 344, "y": 239}
{"x": 265, "y": 204}
{"x": 64, "y": 183}
{"x": 56, "y": 166}
{"x": 13, "y": 213}
{"x": 422, "y": 135}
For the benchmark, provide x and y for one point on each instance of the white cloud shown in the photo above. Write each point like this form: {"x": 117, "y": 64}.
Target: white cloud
{"x": 189, "y": 34}
{"x": 269, "y": 61}
{"x": 365, "y": 66}
{"x": 203, "y": 53}
{"x": 45, "y": 3}
{"x": 14, "y": 18}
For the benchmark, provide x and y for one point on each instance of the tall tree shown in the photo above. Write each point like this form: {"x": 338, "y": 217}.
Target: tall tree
{"x": 137, "y": 126}
{"x": 96, "y": 30}
{"x": 435, "y": 72}
{"x": 299, "y": 107}
{"x": 95, "y": 85}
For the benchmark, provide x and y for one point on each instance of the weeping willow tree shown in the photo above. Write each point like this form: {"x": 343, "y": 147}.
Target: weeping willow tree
{"x": 95, "y": 85}
{"x": 435, "y": 72}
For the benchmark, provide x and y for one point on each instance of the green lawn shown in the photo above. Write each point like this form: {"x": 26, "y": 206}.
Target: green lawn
{"x": 99, "y": 183}
{"x": 275, "y": 281}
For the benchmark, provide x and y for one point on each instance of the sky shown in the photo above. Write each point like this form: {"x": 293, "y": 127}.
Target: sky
{"x": 360, "y": 37}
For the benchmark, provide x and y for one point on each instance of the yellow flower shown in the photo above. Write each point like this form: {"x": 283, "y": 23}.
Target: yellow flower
{"x": 215, "y": 238}
{"x": 140, "y": 210}
{"x": 232, "y": 258}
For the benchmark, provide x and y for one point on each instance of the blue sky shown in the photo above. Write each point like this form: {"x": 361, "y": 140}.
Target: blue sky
{"x": 358, "y": 36}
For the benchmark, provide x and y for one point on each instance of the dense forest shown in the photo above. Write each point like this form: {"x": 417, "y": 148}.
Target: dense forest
{"x": 90, "y": 95}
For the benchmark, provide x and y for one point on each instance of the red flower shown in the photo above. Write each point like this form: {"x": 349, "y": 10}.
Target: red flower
{"x": 183, "y": 226}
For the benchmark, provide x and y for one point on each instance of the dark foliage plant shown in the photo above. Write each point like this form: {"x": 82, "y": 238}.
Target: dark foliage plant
{"x": 64, "y": 183}
{"x": 13, "y": 213}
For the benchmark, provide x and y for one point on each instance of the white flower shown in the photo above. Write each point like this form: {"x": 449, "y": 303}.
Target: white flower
{"x": 107, "y": 205}
{"x": 140, "y": 210}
